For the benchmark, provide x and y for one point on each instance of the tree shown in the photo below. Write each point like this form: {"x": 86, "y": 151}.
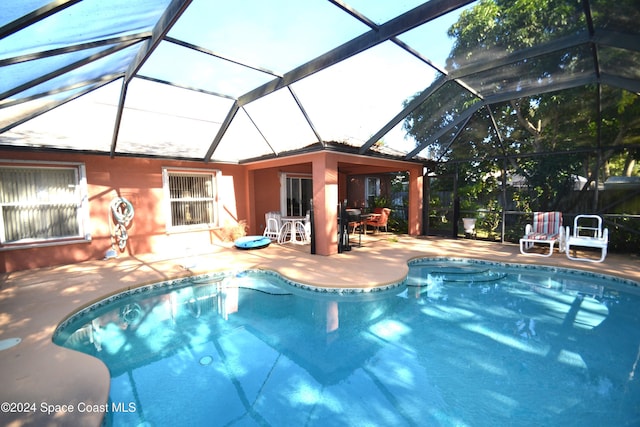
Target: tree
{"x": 529, "y": 131}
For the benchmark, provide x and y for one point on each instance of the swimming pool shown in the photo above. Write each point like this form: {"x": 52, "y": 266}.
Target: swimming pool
{"x": 459, "y": 343}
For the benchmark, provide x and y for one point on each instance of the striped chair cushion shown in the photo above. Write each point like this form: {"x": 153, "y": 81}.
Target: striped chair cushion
{"x": 546, "y": 225}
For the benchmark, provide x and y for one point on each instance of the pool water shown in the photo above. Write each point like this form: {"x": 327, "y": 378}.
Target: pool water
{"x": 459, "y": 343}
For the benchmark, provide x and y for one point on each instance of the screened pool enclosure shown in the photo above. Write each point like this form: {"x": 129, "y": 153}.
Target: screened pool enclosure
{"x": 494, "y": 86}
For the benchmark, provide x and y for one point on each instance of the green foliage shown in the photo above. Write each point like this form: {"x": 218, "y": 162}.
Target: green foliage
{"x": 490, "y": 220}
{"x": 521, "y": 201}
{"x": 380, "y": 202}
{"x": 471, "y": 196}
{"x": 551, "y": 178}
{"x": 398, "y": 182}
{"x": 620, "y": 237}
{"x": 548, "y": 138}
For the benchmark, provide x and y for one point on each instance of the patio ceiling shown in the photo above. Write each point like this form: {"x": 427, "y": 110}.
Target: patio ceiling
{"x": 235, "y": 81}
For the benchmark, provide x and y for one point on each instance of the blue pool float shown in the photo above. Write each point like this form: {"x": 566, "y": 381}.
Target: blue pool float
{"x": 252, "y": 242}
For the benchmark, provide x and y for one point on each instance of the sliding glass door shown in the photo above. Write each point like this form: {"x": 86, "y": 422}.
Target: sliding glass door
{"x": 298, "y": 191}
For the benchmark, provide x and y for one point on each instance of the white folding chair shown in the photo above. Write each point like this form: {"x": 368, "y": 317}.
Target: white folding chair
{"x": 272, "y": 225}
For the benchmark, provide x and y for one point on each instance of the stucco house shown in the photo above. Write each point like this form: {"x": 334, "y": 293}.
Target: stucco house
{"x": 58, "y": 206}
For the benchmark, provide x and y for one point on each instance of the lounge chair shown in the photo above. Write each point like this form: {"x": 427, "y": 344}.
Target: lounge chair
{"x": 588, "y": 232}
{"x": 547, "y": 230}
{"x": 379, "y": 219}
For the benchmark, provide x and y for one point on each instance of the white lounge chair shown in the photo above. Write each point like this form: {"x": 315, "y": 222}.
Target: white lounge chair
{"x": 588, "y": 232}
{"x": 273, "y": 225}
{"x": 546, "y": 229}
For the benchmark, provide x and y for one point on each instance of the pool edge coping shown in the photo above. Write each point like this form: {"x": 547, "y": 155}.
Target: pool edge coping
{"x": 179, "y": 282}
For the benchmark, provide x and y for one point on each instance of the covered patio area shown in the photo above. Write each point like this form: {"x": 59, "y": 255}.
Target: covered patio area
{"x": 328, "y": 174}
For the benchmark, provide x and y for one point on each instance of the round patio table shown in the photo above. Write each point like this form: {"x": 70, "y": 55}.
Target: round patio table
{"x": 293, "y": 227}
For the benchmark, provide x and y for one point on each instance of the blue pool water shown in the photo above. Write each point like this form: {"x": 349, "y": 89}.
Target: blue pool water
{"x": 459, "y": 343}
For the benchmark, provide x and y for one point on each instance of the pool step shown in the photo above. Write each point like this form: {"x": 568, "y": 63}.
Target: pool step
{"x": 462, "y": 275}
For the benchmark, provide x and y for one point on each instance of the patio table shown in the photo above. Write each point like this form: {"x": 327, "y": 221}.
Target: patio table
{"x": 293, "y": 226}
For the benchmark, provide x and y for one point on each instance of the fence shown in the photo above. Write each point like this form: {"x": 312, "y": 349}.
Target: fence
{"x": 508, "y": 226}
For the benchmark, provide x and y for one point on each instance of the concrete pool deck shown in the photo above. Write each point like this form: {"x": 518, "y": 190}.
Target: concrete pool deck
{"x": 45, "y": 384}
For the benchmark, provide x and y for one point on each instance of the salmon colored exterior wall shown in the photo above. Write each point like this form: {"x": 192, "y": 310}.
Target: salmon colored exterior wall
{"x": 246, "y": 193}
{"x": 140, "y": 181}
{"x": 266, "y": 196}
{"x": 329, "y": 188}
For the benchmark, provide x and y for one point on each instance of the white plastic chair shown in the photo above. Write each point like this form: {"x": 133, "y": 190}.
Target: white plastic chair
{"x": 588, "y": 232}
{"x": 273, "y": 225}
{"x": 307, "y": 227}
{"x": 469, "y": 225}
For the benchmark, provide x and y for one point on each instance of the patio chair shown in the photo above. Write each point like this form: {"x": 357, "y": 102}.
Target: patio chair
{"x": 380, "y": 219}
{"x": 307, "y": 226}
{"x": 469, "y": 225}
{"x": 547, "y": 230}
{"x": 588, "y": 232}
{"x": 273, "y": 225}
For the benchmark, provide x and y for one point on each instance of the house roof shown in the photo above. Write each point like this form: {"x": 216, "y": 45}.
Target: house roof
{"x": 232, "y": 81}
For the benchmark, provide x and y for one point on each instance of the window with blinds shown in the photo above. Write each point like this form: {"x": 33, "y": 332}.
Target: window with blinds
{"x": 41, "y": 203}
{"x": 192, "y": 199}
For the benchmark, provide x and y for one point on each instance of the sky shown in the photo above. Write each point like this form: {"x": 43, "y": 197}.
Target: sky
{"x": 349, "y": 101}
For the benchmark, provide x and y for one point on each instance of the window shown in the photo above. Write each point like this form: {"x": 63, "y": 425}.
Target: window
{"x": 192, "y": 199}
{"x": 372, "y": 189}
{"x": 43, "y": 203}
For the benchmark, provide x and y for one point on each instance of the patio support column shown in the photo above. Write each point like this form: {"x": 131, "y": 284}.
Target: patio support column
{"x": 416, "y": 195}
{"x": 325, "y": 203}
